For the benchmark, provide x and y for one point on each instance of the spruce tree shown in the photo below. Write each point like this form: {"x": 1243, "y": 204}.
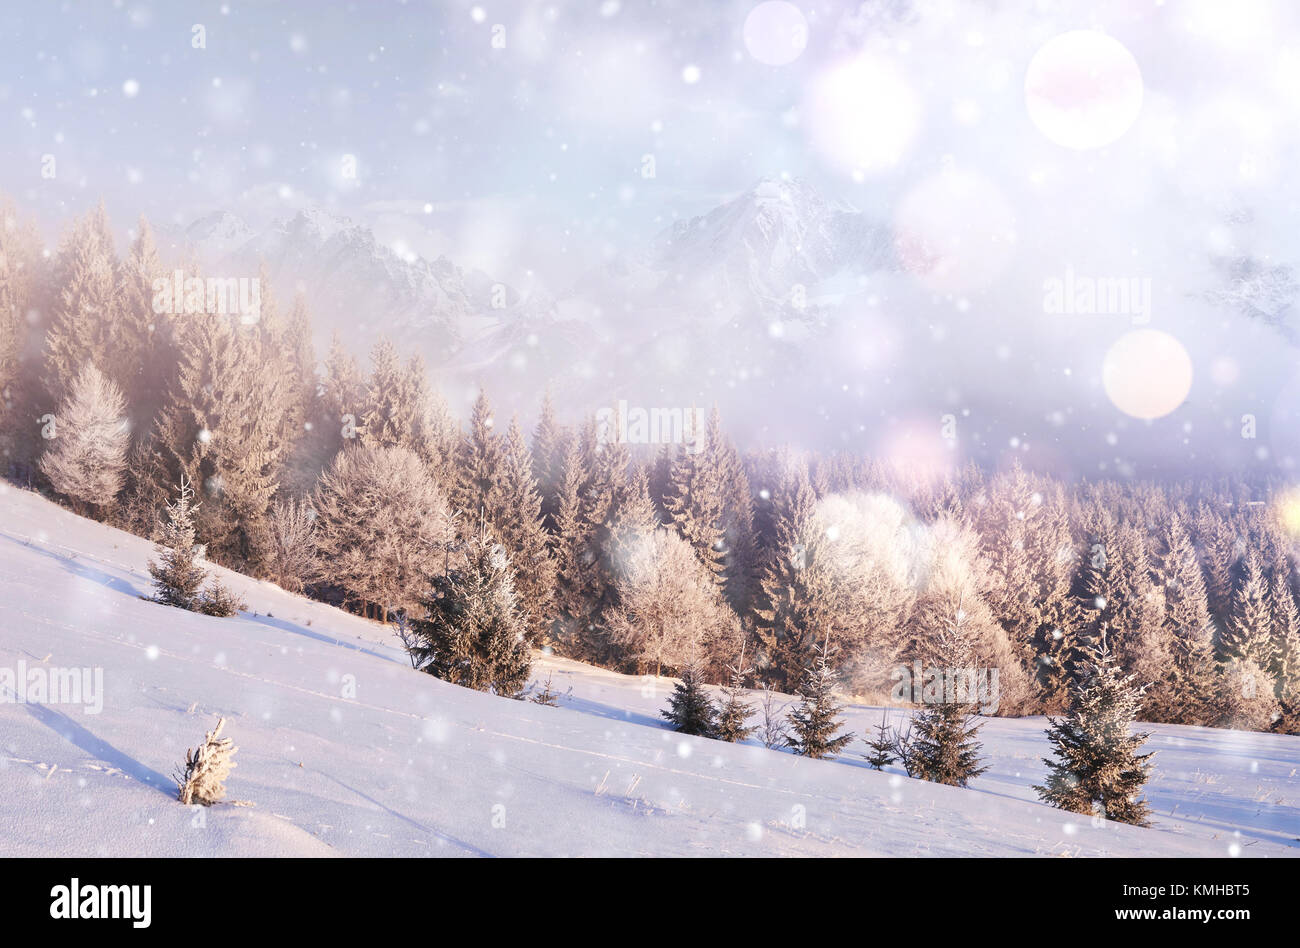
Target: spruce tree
{"x": 794, "y": 601}
{"x": 736, "y": 709}
{"x": 548, "y": 459}
{"x": 815, "y": 723}
{"x": 944, "y": 747}
{"x": 1248, "y": 634}
{"x": 579, "y": 588}
{"x": 1098, "y": 768}
{"x": 1191, "y": 689}
{"x": 516, "y": 517}
{"x": 142, "y": 355}
{"x": 85, "y": 310}
{"x": 690, "y": 710}
{"x": 86, "y": 459}
{"x": 472, "y": 632}
{"x": 177, "y": 575}
{"x": 386, "y": 416}
{"x": 882, "y": 747}
{"x": 478, "y": 462}
{"x": 221, "y": 427}
{"x": 695, "y": 501}
{"x": 342, "y": 398}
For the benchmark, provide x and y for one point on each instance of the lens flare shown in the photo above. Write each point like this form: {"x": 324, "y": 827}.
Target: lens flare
{"x": 1147, "y": 373}
{"x": 1083, "y": 89}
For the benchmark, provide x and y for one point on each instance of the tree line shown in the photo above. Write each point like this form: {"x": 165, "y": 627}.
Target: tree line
{"x": 357, "y": 486}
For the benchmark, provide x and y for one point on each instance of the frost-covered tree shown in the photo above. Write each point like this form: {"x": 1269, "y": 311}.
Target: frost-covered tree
{"x": 669, "y": 610}
{"x": 202, "y": 779}
{"x": 1097, "y": 767}
{"x": 951, "y": 624}
{"x": 1248, "y": 634}
{"x": 690, "y": 709}
{"x": 472, "y": 632}
{"x": 515, "y": 516}
{"x": 291, "y": 561}
{"x": 695, "y": 501}
{"x": 86, "y": 304}
{"x": 177, "y": 575}
{"x": 794, "y": 602}
{"x": 141, "y": 356}
{"x": 943, "y": 746}
{"x": 382, "y": 526}
{"x": 549, "y": 442}
{"x": 1246, "y": 699}
{"x": 86, "y": 460}
{"x": 736, "y": 709}
{"x": 814, "y": 724}
{"x": 581, "y": 587}
{"x": 222, "y": 427}
{"x": 1024, "y": 529}
{"x": 478, "y": 462}
{"x": 1186, "y": 694}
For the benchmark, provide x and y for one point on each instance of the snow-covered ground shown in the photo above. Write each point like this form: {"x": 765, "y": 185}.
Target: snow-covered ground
{"x": 345, "y": 750}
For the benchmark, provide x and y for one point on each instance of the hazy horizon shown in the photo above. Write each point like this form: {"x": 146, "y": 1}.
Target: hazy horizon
{"x": 1010, "y": 164}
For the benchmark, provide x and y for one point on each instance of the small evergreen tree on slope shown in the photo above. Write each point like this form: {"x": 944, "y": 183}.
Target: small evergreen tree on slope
{"x": 733, "y": 716}
{"x": 815, "y": 723}
{"x": 690, "y": 709}
{"x": 1098, "y": 768}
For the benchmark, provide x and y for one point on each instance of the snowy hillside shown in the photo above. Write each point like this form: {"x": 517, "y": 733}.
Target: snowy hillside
{"x": 344, "y": 750}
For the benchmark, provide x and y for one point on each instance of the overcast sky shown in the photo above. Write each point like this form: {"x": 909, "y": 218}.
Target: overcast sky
{"x": 1160, "y": 147}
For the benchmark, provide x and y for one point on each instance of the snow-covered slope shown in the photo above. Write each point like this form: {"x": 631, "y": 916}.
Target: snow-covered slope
{"x": 345, "y": 750}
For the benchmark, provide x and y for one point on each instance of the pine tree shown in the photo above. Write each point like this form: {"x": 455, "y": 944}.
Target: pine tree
{"x": 342, "y": 398}
{"x": 516, "y": 517}
{"x": 222, "y": 428}
{"x": 696, "y": 499}
{"x": 387, "y": 418}
{"x": 690, "y": 710}
{"x": 1249, "y": 631}
{"x": 548, "y": 460}
{"x": 142, "y": 353}
{"x": 478, "y": 462}
{"x": 815, "y": 723}
{"x": 85, "y": 312}
{"x": 1285, "y": 622}
{"x": 1098, "y": 768}
{"x": 882, "y": 747}
{"x": 177, "y": 575}
{"x": 736, "y": 709}
{"x": 87, "y": 457}
{"x": 1193, "y": 683}
{"x": 944, "y": 747}
{"x": 382, "y": 525}
{"x": 437, "y": 435}
{"x": 579, "y": 588}
{"x": 472, "y": 632}
{"x": 547, "y": 696}
{"x": 794, "y": 600}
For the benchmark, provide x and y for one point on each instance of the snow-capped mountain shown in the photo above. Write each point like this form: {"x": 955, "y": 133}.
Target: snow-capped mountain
{"x": 764, "y": 270}
{"x": 355, "y": 285}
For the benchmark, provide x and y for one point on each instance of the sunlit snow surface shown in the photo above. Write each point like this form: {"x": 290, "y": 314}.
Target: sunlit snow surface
{"x": 410, "y": 766}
